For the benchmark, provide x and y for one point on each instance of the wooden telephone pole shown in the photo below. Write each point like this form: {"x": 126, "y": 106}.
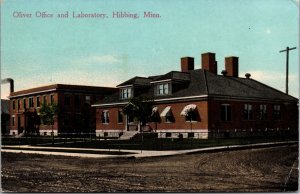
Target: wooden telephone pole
{"x": 287, "y": 67}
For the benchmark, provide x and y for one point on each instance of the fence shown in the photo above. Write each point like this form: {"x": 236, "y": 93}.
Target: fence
{"x": 241, "y": 135}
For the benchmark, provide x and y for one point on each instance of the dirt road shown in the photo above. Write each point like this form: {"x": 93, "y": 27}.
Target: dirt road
{"x": 257, "y": 170}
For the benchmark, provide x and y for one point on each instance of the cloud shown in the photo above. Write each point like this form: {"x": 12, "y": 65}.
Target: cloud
{"x": 95, "y": 59}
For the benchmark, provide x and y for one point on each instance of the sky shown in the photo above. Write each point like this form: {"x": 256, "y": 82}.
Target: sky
{"x": 40, "y": 51}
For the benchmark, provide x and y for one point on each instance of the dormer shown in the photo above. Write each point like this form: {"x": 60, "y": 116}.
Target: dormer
{"x": 162, "y": 87}
{"x": 126, "y": 92}
{"x": 133, "y": 87}
{"x": 170, "y": 82}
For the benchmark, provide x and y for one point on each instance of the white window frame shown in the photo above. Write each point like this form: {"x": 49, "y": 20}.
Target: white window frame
{"x": 126, "y": 93}
{"x": 226, "y": 112}
{"x": 248, "y": 109}
{"x": 105, "y": 117}
{"x": 30, "y": 102}
{"x": 163, "y": 89}
{"x": 87, "y": 99}
{"x": 262, "y": 111}
{"x": 277, "y": 112}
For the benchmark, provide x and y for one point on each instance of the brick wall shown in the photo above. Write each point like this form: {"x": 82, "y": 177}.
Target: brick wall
{"x": 288, "y": 117}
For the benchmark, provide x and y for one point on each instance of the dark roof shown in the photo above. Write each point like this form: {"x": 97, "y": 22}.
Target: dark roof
{"x": 136, "y": 81}
{"x": 66, "y": 88}
{"x": 4, "y": 106}
{"x": 174, "y": 75}
{"x": 242, "y": 87}
{"x": 202, "y": 82}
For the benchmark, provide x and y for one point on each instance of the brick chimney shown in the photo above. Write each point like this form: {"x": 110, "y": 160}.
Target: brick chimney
{"x": 232, "y": 66}
{"x": 209, "y": 62}
{"x": 187, "y": 64}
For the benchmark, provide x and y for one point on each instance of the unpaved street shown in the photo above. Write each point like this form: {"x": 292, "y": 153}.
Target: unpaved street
{"x": 257, "y": 170}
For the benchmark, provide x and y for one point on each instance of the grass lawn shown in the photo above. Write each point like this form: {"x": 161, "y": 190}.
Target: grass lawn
{"x": 137, "y": 144}
{"x": 167, "y": 144}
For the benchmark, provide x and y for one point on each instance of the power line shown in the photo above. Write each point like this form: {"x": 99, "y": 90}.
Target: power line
{"x": 287, "y": 67}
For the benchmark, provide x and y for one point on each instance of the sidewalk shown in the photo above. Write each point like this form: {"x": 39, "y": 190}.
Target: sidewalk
{"x": 133, "y": 153}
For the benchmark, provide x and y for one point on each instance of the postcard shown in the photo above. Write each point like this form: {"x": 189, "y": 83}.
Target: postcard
{"x": 149, "y": 96}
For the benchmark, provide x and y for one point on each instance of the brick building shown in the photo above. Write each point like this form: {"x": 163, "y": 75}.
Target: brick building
{"x": 5, "y": 117}
{"x": 74, "y": 104}
{"x": 223, "y": 104}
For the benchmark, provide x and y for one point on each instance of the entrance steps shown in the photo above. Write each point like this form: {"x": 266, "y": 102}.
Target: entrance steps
{"x": 128, "y": 135}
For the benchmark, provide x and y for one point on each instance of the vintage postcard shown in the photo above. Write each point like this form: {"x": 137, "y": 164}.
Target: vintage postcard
{"x": 149, "y": 96}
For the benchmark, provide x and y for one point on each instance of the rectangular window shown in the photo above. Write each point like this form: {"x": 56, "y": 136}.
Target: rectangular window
{"x": 225, "y": 112}
{"x": 168, "y": 134}
{"x": 13, "y": 105}
{"x": 276, "y": 112}
{"x": 169, "y": 118}
{"x": 120, "y": 116}
{"x": 77, "y": 101}
{"x": 166, "y": 89}
{"x": 67, "y": 119}
{"x": 163, "y": 89}
{"x": 160, "y": 89}
{"x": 45, "y": 100}
{"x": 38, "y": 102}
{"x": 88, "y": 99}
{"x": 248, "y": 114}
{"x": 31, "y": 102}
{"x": 13, "y": 120}
{"x": 19, "y": 104}
{"x": 105, "y": 116}
{"x": 24, "y": 103}
{"x": 51, "y": 99}
{"x": 126, "y": 93}
{"x": 262, "y": 112}
{"x": 67, "y": 100}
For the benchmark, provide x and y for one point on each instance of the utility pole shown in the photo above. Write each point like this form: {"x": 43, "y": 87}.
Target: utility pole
{"x": 287, "y": 67}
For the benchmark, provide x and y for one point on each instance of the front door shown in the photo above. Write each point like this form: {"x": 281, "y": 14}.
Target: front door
{"x": 130, "y": 124}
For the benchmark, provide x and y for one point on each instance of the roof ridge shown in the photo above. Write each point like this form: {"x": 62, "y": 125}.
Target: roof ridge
{"x": 205, "y": 81}
{"x": 237, "y": 80}
{"x": 271, "y": 88}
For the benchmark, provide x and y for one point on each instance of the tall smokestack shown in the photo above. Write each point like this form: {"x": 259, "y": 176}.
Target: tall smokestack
{"x": 11, "y": 83}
